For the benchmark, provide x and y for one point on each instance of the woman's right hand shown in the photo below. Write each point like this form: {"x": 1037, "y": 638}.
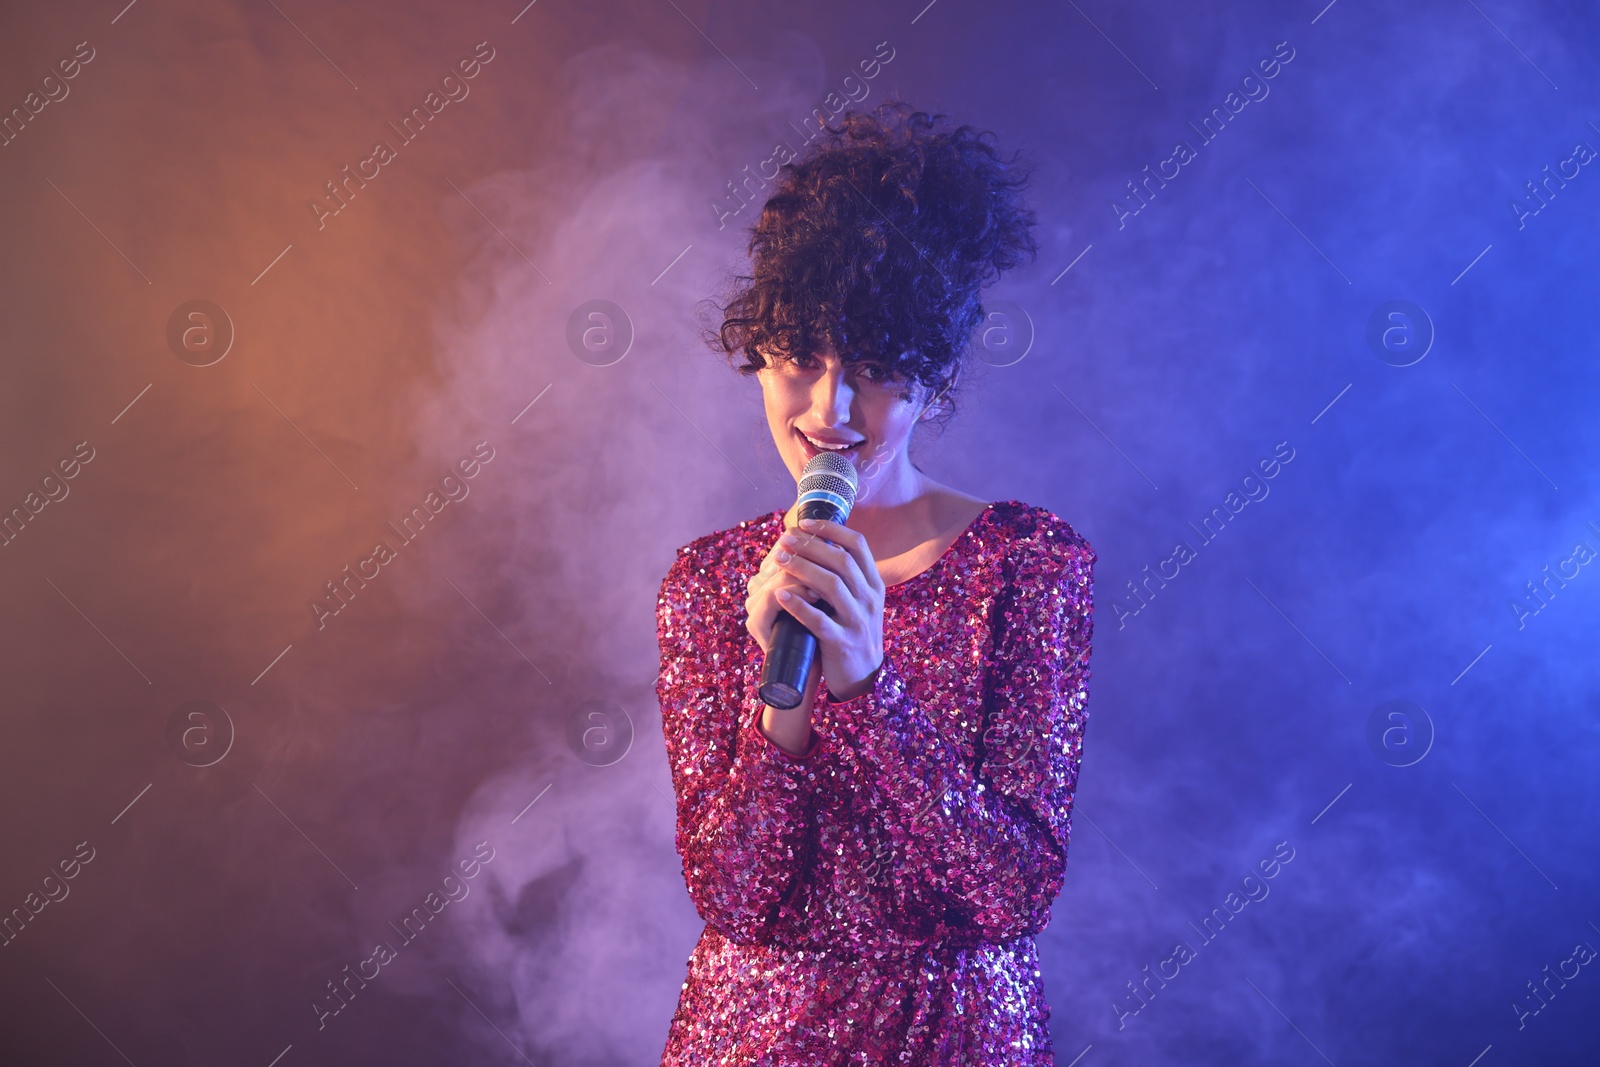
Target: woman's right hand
{"x": 762, "y": 605}
{"x": 789, "y": 729}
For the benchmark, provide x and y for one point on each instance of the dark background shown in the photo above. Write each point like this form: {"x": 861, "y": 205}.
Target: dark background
{"x": 452, "y": 700}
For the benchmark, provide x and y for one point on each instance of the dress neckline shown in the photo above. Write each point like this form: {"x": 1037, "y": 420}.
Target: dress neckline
{"x": 960, "y": 540}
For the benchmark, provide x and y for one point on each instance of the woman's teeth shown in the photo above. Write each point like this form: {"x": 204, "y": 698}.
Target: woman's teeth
{"x": 828, "y": 448}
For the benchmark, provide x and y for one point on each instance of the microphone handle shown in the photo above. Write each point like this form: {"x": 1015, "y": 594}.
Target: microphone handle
{"x": 788, "y": 664}
{"x": 789, "y": 660}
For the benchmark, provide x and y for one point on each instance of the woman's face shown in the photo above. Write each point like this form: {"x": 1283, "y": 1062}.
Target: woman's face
{"x": 835, "y": 403}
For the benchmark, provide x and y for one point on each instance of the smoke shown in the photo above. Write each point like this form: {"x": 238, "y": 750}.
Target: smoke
{"x": 623, "y": 452}
{"x": 395, "y": 553}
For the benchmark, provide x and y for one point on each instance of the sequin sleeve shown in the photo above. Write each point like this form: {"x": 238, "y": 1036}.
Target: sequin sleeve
{"x": 745, "y": 822}
{"x": 980, "y": 837}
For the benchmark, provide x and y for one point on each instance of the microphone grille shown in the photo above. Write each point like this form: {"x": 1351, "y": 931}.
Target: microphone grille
{"x": 831, "y": 477}
{"x": 828, "y": 483}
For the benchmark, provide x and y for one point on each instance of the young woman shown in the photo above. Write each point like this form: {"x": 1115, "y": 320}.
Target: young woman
{"x": 873, "y": 865}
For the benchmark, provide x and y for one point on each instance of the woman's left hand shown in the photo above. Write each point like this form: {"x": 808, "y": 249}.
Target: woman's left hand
{"x": 836, "y": 561}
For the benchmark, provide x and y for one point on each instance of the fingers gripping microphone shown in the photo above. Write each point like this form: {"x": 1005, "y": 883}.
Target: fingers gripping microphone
{"x": 827, "y": 491}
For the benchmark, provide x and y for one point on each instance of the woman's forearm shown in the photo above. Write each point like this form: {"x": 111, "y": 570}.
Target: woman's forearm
{"x": 790, "y": 728}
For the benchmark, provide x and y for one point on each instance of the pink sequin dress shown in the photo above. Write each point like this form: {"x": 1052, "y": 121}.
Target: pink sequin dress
{"x": 875, "y": 900}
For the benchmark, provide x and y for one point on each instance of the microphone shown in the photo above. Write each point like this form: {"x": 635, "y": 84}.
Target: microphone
{"x": 827, "y": 491}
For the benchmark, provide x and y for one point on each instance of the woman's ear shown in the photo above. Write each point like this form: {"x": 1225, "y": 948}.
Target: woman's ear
{"x": 940, "y": 401}
{"x": 936, "y": 404}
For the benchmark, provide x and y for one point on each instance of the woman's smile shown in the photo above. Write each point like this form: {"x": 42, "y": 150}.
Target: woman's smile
{"x": 811, "y": 446}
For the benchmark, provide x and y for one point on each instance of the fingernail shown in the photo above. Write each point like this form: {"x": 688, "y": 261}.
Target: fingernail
{"x": 784, "y": 594}
{"x": 784, "y": 557}
{"x": 789, "y": 539}
{"x": 808, "y": 524}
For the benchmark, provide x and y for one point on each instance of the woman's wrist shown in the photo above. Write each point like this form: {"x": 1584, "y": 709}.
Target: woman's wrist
{"x": 864, "y": 686}
{"x": 788, "y": 728}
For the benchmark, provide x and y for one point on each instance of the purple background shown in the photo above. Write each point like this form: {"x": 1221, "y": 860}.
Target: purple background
{"x": 445, "y": 704}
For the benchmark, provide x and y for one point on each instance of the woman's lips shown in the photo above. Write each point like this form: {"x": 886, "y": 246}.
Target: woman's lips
{"x": 811, "y": 450}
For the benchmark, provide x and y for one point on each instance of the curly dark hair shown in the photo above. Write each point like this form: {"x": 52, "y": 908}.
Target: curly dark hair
{"x": 878, "y": 243}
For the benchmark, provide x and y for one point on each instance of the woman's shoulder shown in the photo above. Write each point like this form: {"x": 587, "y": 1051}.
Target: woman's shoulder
{"x": 714, "y": 560}
{"x": 1032, "y": 532}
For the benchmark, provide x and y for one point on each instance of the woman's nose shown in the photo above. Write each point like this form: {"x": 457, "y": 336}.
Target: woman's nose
{"x": 831, "y": 396}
